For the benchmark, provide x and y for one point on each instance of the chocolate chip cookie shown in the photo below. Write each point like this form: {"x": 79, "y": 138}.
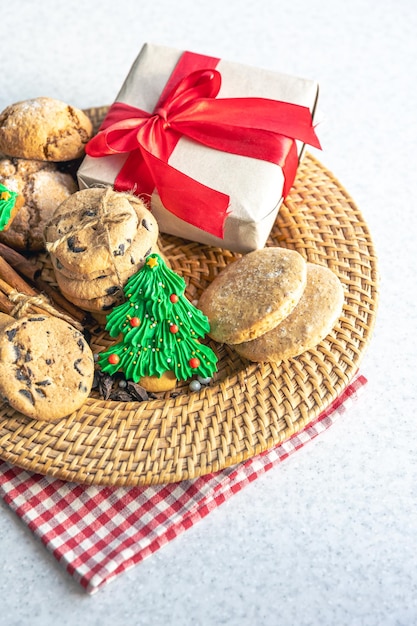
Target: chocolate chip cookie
{"x": 46, "y": 367}
{"x": 93, "y": 230}
{"x": 108, "y": 283}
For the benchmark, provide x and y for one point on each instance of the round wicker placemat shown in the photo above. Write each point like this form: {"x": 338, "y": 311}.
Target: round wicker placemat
{"x": 249, "y": 407}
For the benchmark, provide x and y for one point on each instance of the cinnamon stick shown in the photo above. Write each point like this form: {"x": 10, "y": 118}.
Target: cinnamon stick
{"x": 12, "y": 278}
{"x": 12, "y": 262}
{"x": 20, "y": 263}
{"x": 6, "y": 290}
{"x": 10, "y": 281}
{"x": 5, "y": 305}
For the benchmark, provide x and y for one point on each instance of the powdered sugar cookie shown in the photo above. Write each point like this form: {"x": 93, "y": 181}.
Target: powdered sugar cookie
{"x": 44, "y": 129}
{"x": 253, "y": 294}
{"x": 310, "y": 322}
{"x": 41, "y": 188}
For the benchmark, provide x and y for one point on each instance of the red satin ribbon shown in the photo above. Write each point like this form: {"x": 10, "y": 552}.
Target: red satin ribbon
{"x": 255, "y": 127}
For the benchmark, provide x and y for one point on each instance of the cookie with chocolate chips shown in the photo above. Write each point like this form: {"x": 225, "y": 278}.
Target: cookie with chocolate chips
{"x": 93, "y": 230}
{"x": 108, "y": 283}
{"x": 102, "y": 303}
{"x": 46, "y": 367}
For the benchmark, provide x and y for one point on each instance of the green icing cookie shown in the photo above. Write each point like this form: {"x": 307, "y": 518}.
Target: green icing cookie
{"x": 160, "y": 328}
{"x": 7, "y": 202}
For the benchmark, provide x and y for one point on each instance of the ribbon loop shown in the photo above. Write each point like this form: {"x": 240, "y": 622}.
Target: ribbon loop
{"x": 198, "y": 84}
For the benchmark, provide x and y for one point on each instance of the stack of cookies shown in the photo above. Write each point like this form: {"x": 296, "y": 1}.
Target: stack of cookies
{"x": 97, "y": 239}
{"x": 36, "y": 137}
{"x": 271, "y": 305}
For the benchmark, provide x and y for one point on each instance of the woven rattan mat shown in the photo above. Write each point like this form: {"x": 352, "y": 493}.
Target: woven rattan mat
{"x": 249, "y": 407}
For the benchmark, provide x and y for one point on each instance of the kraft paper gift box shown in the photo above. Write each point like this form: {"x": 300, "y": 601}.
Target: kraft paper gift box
{"x": 213, "y": 144}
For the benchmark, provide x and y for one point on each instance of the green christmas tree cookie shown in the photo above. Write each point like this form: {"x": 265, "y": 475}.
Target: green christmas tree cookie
{"x": 7, "y": 205}
{"x": 160, "y": 328}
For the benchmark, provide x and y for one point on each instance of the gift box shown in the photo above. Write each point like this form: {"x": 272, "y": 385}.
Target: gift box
{"x": 212, "y": 145}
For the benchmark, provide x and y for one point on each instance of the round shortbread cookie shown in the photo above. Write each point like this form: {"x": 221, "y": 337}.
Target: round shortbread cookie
{"x": 46, "y": 367}
{"x": 92, "y": 233}
{"x": 253, "y": 294}
{"x": 41, "y": 188}
{"x": 310, "y": 322}
{"x": 44, "y": 129}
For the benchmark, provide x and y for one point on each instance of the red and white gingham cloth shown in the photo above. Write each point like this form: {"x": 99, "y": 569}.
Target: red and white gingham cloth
{"x": 97, "y": 533}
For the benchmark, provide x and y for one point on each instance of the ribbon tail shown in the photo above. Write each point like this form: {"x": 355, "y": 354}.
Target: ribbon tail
{"x": 290, "y": 169}
{"x": 253, "y": 127}
{"x": 135, "y": 177}
{"x": 188, "y": 199}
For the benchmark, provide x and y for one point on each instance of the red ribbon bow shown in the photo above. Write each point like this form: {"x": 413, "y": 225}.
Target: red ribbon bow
{"x": 255, "y": 127}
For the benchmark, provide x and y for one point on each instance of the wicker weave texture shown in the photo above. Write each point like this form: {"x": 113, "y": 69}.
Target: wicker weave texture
{"x": 248, "y": 408}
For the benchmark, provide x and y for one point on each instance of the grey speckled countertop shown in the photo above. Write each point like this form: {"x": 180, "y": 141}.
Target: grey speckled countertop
{"x": 329, "y": 536}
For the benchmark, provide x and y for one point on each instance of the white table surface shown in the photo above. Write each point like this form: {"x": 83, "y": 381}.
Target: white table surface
{"x": 329, "y": 536}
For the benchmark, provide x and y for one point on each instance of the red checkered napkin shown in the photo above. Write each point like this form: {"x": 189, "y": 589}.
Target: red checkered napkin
{"x": 97, "y": 533}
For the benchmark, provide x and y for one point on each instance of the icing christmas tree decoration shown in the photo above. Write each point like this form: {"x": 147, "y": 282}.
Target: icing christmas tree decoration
{"x": 160, "y": 328}
{"x": 7, "y": 204}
